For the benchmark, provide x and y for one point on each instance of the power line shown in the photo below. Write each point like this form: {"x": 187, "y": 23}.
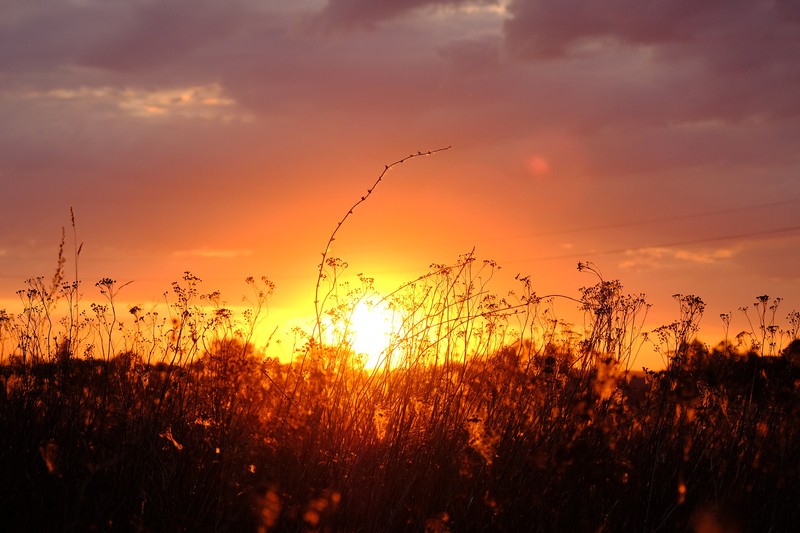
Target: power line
{"x": 661, "y": 219}
{"x": 786, "y": 229}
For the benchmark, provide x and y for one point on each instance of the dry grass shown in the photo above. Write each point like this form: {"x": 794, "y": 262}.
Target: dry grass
{"x": 494, "y": 415}
{"x": 177, "y": 423}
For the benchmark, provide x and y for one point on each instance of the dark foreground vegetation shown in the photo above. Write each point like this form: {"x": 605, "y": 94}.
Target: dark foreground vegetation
{"x": 179, "y": 424}
{"x": 215, "y": 445}
{"x": 486, "y": 412}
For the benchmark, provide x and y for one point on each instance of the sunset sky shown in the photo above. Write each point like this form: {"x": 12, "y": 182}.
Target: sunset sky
{"x": 658, "y": 139}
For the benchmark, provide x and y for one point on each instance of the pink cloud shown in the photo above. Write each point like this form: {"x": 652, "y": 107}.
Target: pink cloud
{"x": 155, "y": 33}
{"x": 553, "y": 28}
{"x": 365, "y": 14}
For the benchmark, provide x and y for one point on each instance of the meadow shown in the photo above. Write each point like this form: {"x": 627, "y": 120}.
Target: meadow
{"x": 483, "y": 412}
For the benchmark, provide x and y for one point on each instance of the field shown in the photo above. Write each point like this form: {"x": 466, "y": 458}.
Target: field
{"x": 280, "y": 322}
{"x": 474, "y": 412}
{"x": 485, "y": 414}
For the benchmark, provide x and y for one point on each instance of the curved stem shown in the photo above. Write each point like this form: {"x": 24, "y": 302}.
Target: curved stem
{"x": 320, "y": 273}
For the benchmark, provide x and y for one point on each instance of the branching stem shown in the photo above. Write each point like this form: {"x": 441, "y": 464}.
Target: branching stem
{"x": 320, "y": 273}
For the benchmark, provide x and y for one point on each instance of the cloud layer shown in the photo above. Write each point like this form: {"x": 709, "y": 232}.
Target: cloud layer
{"x": 219, "y": 128}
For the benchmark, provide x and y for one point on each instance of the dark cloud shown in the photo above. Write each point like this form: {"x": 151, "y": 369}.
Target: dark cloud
{"x": 114, "y": 36}
{"x": 726, "y": 36}
{"x": 553, "y": 28}
{"x": 733, "y": 60}
{"x": 157, "y": 32}
{"x": 47, "y": 34}
{"x": 354, "y": 14}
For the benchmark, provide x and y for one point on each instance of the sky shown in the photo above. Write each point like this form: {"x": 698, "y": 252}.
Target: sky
{"x": 657, "y": 139}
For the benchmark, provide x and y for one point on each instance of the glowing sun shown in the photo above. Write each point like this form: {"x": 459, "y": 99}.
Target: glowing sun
{"x": 375, "y": 327}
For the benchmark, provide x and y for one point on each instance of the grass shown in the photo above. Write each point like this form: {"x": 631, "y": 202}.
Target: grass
{"x": 494, "y": 416}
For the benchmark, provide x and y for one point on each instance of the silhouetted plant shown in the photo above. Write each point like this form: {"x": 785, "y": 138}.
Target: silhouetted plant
{"x": 615, "y": 320}
{"x": 674, "y": 338}
{"x": 763, "y": 335}
{"x": 489, "y": 412}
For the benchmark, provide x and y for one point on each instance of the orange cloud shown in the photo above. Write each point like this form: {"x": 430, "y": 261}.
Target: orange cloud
{"x": 194, "y": 101}
{"x": 663, "y": 257}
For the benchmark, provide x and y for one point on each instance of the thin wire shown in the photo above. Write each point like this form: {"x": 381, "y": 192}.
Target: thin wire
{"x": 786, "y": 229}
{"x": 661, "y": 219}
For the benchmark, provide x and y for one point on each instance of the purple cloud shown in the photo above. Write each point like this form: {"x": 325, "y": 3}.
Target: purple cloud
{"x": 156, "y": 33}
{"x": 730, "y": 60}
{"x": 553, "y": 28}
{"x": 353, "y": 14}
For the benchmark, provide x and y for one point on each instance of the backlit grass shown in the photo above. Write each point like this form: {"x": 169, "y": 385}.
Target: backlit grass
{"x": 483, "y": 412}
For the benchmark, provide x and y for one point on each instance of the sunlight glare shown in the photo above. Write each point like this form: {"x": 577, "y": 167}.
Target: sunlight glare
{"x": 374, "y": 328}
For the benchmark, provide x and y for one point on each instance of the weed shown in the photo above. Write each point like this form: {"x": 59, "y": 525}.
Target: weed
{"x": 491, "y": 413}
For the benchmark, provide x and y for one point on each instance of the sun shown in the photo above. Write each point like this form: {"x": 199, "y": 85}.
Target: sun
{"x": 374, "y": 327}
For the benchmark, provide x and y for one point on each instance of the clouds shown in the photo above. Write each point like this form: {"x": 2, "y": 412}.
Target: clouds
{"x": 154, "y": 33}
{"x": 550, "y": 29}
{"x": 636, "y": 82}
{"x": 665, "y": 60}
{"x": 203, "y": 101}
{"x": 730, "y": 59}
{"x": 216, "y": 116}
{"x": 341, "y": 15}
{"x": 348, "y": 14}
{"x": 114, "y": 36}
{"x": 712, "y": 29}
{"x": 657, "y": 258}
